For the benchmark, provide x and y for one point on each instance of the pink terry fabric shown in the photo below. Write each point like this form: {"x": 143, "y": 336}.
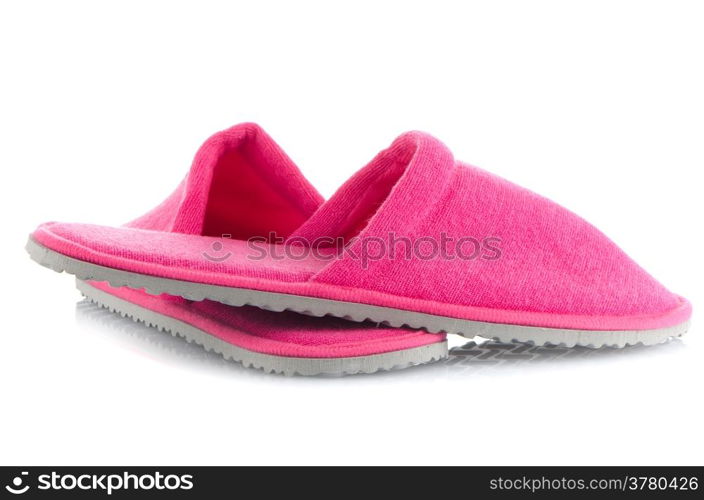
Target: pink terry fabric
{"x": 550, "y": 260}
{"x": 173, "y": 255}
{"x": 553, "y": 269}
{"x": 279, "y": 333}
{"x": 241, "y": 184}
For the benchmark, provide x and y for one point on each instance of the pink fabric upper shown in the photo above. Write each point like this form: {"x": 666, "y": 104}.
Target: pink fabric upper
{"x": 551, "y": 260}
{"x": 279, "y": 333}
{"x": 241, "y": 184}
{"x": 554, "y": 269}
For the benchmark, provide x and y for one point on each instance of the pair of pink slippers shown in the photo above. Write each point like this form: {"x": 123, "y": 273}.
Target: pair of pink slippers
{"x": 415, "y": 241}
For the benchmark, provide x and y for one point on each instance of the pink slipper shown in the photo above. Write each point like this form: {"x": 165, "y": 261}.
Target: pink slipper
{"x": 276, "y": 342}
{"x": 216, "y": 200}
{"x": 415, "y": 238}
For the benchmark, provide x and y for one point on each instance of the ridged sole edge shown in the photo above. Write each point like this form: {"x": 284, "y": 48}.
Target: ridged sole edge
{"x": 311, "y": 306}
{"x": 388, "y": 361}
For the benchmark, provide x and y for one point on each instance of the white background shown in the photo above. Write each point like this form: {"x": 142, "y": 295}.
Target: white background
{"x": 597, "y": 105}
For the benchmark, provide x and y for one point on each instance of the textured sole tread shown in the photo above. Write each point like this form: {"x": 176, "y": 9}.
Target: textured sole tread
{"x": 311, "y": 306}
{"x": 389, "y": 361}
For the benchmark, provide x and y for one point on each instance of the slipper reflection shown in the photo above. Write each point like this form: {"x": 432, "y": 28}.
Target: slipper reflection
{"x": 489, "y": 354}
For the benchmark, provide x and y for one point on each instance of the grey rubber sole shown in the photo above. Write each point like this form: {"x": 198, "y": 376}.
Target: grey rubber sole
{"x": 350, "y": 310}
{"x": 394, "y": 360}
